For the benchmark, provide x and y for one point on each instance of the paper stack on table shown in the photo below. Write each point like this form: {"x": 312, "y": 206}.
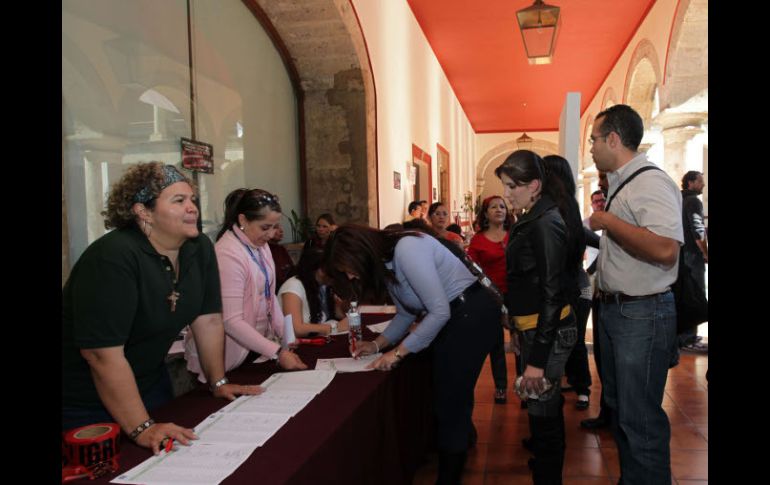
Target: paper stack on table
{"x": 230, "y": 435}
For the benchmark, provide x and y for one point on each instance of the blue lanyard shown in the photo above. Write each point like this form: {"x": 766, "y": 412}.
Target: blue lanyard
{"x": 263, "y": 267}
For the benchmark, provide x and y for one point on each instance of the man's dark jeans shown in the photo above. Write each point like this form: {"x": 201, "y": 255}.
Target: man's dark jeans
{"x": 638, "y": 339}
{"x": 577, "y": 371}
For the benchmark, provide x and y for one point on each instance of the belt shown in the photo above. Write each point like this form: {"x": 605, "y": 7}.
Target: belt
{"x": 462, "y": 298}
{"x": 606, "y": 297}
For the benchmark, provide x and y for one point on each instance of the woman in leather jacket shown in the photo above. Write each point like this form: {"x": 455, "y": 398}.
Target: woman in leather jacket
{"x": 544, "y": 252}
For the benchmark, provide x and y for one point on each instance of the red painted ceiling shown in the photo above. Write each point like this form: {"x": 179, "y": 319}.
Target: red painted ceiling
{"x": 479, "y": 46}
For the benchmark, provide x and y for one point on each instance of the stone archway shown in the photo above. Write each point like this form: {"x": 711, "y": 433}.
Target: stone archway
{"x": 642, "y": 79}
{"x": 486, "y": 182}
{"x": 609, "y": 99}
{"x": 686, "y": 72}
{"x": 325, "y": 54}
{"x": 683, "y": 119}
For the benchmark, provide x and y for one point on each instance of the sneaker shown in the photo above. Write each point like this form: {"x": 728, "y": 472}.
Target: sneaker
{"x": 582, "y": 402}
{"x": 696, "y": 347}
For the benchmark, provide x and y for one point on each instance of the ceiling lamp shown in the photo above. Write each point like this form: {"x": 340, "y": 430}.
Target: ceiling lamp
{"x": 524, "y": 142}
{"x": 539, "y": 25}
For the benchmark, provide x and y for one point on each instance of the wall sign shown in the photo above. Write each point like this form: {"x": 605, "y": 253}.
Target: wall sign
{"x": 197, "y": 156}
{"x": 396, "y": 180}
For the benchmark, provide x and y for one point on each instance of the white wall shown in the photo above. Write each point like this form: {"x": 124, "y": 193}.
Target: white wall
{"x": 415, "y": 104}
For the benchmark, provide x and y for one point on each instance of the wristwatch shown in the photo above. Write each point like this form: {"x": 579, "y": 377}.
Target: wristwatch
{"x": 333, "y": 325}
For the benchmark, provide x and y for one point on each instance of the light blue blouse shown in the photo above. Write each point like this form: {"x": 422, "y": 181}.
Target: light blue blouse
{"x": 429, "y": 277}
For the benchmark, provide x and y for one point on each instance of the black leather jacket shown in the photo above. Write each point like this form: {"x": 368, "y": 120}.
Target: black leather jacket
{"x": 538, "y": 279}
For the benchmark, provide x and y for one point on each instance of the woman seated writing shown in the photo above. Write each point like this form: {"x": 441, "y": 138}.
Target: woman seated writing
{"x": 307, "y": 298}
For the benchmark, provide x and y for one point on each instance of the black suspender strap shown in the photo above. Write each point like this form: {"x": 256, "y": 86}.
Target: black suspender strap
{"x": 643, "y": 169}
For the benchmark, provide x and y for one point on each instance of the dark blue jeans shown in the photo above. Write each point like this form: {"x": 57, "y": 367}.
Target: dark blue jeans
{"x": 497, "y": 361}
{"x": 638, "y": 339}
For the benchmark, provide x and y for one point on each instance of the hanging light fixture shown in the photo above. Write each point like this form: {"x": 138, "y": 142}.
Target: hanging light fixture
{"x": 524, "y": 142}
{"x": 539, "y": 25}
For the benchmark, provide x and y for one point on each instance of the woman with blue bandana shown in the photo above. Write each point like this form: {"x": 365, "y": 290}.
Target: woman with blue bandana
{"x": 126, "y": 300}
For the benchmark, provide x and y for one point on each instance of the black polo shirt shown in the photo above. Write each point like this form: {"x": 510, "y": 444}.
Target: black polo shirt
{"x": 117, "y": 294}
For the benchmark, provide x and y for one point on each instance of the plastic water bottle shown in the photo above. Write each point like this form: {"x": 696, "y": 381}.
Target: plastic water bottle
{"x": 354, "y": 323}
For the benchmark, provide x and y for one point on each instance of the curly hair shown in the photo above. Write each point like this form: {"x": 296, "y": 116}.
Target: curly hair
{"x": 483, "y": 221}
{"x": 118, "y": 213}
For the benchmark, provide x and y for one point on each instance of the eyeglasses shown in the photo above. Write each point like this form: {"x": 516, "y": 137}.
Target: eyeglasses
{"x": 592, "y": 140}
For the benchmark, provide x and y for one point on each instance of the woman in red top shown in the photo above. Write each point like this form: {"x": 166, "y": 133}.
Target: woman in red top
{"x": 488, "y": 249}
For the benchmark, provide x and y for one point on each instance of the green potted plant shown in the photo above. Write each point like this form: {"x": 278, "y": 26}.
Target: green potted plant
{"x": 300, "y": 227}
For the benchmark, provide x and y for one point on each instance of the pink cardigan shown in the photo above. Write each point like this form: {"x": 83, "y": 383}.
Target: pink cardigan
{"x": 244, "y": 308}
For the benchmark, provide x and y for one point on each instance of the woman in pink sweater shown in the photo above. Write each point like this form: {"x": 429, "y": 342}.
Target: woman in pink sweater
{"x": 252, "y": 315}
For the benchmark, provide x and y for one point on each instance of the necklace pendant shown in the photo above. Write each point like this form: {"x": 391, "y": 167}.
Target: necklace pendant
{"x": 172, "y": 298}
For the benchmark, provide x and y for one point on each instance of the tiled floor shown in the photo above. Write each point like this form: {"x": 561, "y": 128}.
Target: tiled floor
{"x": 591, "y": 456}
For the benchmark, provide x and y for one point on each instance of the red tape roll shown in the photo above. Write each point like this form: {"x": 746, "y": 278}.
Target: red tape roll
{"x": 90, "y": 451}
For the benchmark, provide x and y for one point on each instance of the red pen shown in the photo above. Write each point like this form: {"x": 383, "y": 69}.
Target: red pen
{"x": 169, "y": 444}
{"x": 319, "y": 341}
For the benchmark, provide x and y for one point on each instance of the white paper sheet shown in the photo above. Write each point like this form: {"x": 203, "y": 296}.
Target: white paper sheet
{"x": 347, "y": 364}
{"x": 238, "y": 428}
{"x": 288, "y": 332}
{"x": 379, "y": 327}
{"x": 199, "y": 463}
{"x": 272, "y": 401}
{"x": 229, "y": 436}
{"x": 304, "y": 380}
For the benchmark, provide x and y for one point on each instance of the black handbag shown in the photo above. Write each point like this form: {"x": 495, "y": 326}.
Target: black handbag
{"x": 692, "y": 307}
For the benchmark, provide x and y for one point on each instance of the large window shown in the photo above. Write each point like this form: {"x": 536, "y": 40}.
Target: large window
{"x": 126, "y": 98}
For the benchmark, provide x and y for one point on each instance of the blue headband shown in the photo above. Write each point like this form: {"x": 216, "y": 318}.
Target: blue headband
{"x": 170, "y": 176}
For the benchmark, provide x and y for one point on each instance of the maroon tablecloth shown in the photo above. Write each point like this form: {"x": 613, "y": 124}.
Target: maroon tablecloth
{"x": 368, "y": 427}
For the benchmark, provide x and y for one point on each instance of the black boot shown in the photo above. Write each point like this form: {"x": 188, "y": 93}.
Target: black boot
{"x": 450, "y": 467}
{"x": 548, "y": 448}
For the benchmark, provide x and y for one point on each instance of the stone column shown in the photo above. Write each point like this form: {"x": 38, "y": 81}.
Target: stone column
{"x": 675, "y": 148}
{"x": 677, "y": 130}
{"x": 588, "y": 178}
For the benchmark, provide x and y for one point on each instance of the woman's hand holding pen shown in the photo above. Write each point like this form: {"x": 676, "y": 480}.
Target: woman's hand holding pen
{"x": 363, "y": 348}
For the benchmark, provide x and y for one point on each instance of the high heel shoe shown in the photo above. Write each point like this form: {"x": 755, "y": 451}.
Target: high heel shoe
{"x": 500, "y": 397}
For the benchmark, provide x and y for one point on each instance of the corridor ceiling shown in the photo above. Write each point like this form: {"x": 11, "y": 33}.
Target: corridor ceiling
{"x": 480, "y": 49}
